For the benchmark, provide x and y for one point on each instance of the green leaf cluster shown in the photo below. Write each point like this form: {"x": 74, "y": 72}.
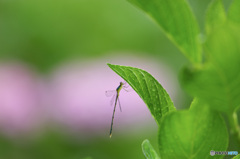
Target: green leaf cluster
{"x": 212, "y": 78}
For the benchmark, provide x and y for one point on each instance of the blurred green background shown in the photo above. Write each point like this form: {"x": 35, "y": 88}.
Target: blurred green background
{"x": 44, "y": 34}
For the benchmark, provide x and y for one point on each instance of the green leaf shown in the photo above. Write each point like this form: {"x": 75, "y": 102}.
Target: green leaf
{"x": 149, "y": 151}
{"x": 148, "y": 88}
{"x": 215, "y": 15}
{"x": 218, "y": 81}
{"x": 178, "y": 22}
{"x": 236, "y": 157}
{"x": 192, "y": 134}
{"x": 234, "y": 12}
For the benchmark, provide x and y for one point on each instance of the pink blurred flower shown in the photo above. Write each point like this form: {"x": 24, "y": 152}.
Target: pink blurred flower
{"x": 19, "y": 99}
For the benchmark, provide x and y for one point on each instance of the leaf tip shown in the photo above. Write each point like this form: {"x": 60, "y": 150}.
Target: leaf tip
{"x": 109, "y": 65}
{"x": 145, "y": 141}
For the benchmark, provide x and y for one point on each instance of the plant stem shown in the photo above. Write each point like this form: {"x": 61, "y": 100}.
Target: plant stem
{"x": 235, "y": 129}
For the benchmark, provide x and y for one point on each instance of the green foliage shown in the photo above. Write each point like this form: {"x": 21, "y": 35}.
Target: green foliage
{"x": 214, "y": 83}
{"x": 192, "y": 133}
{"x": 148, "y": 150}
{"x": 236, "y": 157}
{"x": 215, "y": 15}
{"x": 148, "y": 88}
{"x": 218, "y": 81}
{"x": 186, "y": 128}
{"x": 234, "y": 12}
{"x": 178, "y": 22}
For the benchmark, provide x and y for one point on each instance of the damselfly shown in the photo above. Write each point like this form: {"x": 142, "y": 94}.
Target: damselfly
{"x": 115, "y": 97}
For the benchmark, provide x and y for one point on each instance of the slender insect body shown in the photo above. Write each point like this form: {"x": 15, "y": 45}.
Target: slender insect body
{"x": 118, "y": 89}
{"x": 110, "y": 134}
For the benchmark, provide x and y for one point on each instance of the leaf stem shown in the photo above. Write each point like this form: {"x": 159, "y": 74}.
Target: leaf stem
{"x": 235, "y": 129}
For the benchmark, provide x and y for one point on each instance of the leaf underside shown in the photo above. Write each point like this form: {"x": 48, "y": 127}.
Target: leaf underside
{"x": 148, "y": 88}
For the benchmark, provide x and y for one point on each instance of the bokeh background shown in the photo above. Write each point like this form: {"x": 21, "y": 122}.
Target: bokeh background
{"x": 53, "y": 77}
